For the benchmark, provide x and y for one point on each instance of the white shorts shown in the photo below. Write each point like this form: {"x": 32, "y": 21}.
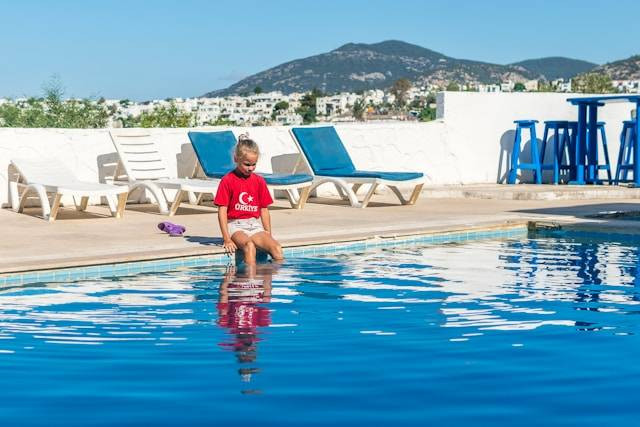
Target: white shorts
{"x": 249, "y": 226}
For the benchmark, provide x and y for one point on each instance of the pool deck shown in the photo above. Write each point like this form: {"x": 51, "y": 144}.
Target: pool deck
{"x": 89, "y": 238}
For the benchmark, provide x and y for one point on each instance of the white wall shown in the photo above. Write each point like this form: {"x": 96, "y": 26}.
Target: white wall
{"x": 469, "y": 143}
{"x": 480, "y": 128}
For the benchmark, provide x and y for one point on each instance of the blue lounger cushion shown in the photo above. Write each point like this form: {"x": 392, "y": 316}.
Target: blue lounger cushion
{"x": 327, "y": 156}
{"x": 215, "y": 154}
{"x": 285, "y": 179}
{"x": 214, "y": 151}
{"x": 323, "y": 149}
{"x": 390, "y": 176}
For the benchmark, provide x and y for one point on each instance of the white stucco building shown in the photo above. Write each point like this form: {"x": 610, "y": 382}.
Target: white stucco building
{"x": 626, "y": 86}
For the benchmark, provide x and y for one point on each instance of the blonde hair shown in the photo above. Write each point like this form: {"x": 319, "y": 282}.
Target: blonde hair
{"x": 245, "y": 145}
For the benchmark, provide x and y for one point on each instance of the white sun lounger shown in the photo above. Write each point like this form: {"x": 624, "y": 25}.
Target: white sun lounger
{"x": 145, "y": 168}
{"x": 42, "y": 177}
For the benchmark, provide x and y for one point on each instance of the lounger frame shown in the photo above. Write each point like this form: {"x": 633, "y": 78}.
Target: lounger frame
{"x": 297, "y": 193}
{"x": 58, "y": 181}
{"x": 348, "y": 186}
{"x": 141, "y": 167}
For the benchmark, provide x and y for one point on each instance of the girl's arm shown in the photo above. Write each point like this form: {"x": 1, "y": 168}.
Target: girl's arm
{"x": 266, "y": 219}
{"x": 227, "y": 243}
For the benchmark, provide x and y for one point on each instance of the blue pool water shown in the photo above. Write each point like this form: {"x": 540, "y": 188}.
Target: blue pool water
{"x": 530, "y": 331}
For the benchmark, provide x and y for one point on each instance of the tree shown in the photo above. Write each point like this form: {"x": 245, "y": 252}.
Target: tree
{"x": 427, "y": 114}
{"x": 10, "y": 115}
{"x": 544, "y": 86}
{"x": 33, "y": 114}
{"x": 519, "y": 87}
{"x": 307, "y": 107}
{"x": 358, "y": 110}
{"x": 453, "y": 87}
{"x": 257, "y": 90}
{"x": 52, "y": 111}
{"x": 162, "y": 117}
{"x": 592, "y": 83}
{"x": 221, "y": 121}
{"x": 431, "y": 99}
{"x": 281, "y": 105}
{"x": 399, "y": 90}
{"x": 416, "y": 104}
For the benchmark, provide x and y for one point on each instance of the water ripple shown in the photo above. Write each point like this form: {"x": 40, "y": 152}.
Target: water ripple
{"x": 492, "y": 327}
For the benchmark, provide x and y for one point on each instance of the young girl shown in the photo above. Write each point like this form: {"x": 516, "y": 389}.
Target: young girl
{"x": 242, "y": 198}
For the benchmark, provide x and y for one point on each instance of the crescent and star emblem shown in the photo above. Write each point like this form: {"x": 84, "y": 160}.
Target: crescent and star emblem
{"x": 241, "y": 198}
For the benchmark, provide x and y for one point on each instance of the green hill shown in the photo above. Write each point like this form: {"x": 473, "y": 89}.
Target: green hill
{"x": 358, "y": 66}
{"x": 556, "y": 67}
{"x": 625, "y": 69}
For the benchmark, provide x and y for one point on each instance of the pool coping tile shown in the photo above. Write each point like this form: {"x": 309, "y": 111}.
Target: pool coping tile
{"x": 163, "y": 265}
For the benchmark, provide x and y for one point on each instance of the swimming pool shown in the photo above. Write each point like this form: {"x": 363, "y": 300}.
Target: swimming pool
{"x": 521, "y": 331}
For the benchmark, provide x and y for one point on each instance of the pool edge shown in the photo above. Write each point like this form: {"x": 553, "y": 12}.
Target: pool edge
{"x": 163, "y": 264}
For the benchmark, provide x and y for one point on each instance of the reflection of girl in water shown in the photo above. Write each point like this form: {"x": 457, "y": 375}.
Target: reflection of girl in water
{"x": 240, "y": 310}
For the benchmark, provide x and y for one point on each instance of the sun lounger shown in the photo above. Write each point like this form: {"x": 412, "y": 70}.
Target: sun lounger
{"x": 329, "y": 161}
{"x": 145, "y": 168}
{"x": 44, "y": 177}
{"x": 215, "y": 154}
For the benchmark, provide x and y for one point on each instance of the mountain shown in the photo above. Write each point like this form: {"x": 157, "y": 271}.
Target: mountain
{"x": 359, "y": 66}
{"x": 625, "y": 69}
{"x": 556, "y": 67}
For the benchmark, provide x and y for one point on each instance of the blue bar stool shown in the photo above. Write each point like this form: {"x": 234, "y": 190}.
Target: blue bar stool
{"x": 625, "y": 164}
{"x": 568, "y": 147}
{"x": 515, "y": 154}
{"x": 597, "y": 167}
{"x": 561, "y": 138}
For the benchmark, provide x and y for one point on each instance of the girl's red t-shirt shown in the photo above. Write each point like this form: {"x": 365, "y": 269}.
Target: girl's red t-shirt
{"x": 243, "y": 196}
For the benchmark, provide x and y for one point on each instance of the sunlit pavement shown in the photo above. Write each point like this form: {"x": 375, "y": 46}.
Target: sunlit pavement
{"x": 93, "y": 237}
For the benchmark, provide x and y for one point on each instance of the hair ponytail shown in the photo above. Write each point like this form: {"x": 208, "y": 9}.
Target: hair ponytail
{"x": 244, "y": 145}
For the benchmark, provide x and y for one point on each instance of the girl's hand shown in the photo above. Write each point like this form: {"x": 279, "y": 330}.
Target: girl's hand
{"x": 229, "y": 246}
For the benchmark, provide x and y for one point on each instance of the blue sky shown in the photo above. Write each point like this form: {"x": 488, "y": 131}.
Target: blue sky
{"x": 157, "y": 49}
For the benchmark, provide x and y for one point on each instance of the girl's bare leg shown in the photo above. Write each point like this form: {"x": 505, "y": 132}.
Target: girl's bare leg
{"x": 246, "y": 244}
{"x": 264, "y": 241}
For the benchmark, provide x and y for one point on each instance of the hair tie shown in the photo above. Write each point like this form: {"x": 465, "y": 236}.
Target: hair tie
{"x": 243, "y": 136}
